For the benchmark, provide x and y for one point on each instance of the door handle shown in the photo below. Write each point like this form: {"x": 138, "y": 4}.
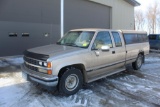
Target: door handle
{"x": 113, "y": 52}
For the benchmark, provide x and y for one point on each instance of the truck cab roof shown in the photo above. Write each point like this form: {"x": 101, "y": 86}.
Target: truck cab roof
{"x": 101, "y": 29}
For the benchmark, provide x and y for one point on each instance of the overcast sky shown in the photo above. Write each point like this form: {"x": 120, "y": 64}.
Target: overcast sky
{"x": 145, "y": 4}
{"x": 143, "y": 7}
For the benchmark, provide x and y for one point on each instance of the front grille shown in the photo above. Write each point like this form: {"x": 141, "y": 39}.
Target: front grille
{"x": 31, "y": 67}
{"x": 33, "y": 64}
{"x": 31, "y": 61}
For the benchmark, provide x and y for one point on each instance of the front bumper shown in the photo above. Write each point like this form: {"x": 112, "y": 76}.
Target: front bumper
{"x": 47, "y": 81}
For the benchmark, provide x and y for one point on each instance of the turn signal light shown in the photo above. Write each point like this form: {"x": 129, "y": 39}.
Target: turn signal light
{"x": 49, "y": 72}
{"x": 49, "y": 64}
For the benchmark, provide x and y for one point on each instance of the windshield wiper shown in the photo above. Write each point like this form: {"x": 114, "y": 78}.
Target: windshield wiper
{"x": 71, "y": 44}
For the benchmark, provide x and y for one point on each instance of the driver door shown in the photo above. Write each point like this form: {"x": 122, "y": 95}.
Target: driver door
{"x": 103, "y": 60}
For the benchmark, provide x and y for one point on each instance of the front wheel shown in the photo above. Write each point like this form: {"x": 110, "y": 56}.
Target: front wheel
{"x": 138, "y": 63}
{"x": 71, "y": 81}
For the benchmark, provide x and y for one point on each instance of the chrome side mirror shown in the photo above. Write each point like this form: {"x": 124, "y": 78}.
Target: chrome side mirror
{"x": 105, "y": 48}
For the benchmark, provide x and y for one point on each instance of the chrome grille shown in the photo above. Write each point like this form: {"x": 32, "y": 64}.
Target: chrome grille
{"x": 31, "y": 67}
{"x": 31, "y": 61}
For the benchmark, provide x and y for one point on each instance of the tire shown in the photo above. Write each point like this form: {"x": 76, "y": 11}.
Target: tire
{"x": 70, "y": 82}
{"x": 138, "y": 63}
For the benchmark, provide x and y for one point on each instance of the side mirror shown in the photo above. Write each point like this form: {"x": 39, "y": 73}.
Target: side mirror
{"x": 105, "y": 48}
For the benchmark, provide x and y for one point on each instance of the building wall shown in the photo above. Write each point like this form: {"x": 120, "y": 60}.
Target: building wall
{"x": 37, "y": 17}
{"x": 30, "y": 11}
{"x": 122, "y": 13}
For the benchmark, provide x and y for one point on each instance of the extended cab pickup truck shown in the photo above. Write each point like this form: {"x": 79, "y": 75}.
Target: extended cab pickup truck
{"x": 83, "y": 56}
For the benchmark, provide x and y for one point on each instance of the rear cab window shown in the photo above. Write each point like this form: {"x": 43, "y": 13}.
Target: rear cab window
{"x": 131, "y": 38}
{"x": 135, "y": 38}
{"x": 142, "y": 38}
{"x": 117, "y": 39}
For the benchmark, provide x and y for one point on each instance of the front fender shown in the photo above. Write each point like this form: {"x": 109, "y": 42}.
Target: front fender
{"x": 58, "y": 65}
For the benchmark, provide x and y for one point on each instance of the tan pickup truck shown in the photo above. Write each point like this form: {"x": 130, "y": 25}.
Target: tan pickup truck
{"x": 83, "y": 56}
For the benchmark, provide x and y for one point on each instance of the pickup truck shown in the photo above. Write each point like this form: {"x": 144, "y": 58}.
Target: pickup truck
{"x": 154, "y": 41}
{"x": 83, "y": 56}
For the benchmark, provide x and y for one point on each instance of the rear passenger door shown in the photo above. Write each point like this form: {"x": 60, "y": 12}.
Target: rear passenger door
{"x": 132, "y": 46}
{"x": 120, "y": 51}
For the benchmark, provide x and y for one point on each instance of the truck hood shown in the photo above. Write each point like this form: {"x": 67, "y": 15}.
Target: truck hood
{"x": 54, "y": 49}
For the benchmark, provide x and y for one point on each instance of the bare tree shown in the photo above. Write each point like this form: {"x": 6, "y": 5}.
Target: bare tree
{"x": 139, "y": 20}
{"x": 152, "y": 17}
{"x": 158, "y": 20}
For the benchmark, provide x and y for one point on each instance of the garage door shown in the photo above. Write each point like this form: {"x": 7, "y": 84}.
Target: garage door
{"x": 85, "y": 14}
{"x": 25, "y": 23}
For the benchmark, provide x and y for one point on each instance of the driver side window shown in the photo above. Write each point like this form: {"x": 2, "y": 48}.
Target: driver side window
{"x": 103, "y": 38}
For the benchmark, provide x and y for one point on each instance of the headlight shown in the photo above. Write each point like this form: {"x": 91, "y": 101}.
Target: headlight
{"x": 45, "y": 64}
{"x": 40, "y": 63}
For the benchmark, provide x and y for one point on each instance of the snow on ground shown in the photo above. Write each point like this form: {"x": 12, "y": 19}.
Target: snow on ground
{"x": 4, "y": 62}
{"x": 127, "y": 89}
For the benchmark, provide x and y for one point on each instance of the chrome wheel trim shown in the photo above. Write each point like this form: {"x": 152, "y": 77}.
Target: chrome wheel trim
{"x": 71, "y": 82}
{"x": 139, "y": 61}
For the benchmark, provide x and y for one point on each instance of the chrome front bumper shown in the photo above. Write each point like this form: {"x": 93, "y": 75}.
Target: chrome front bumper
{"x": 40, "y": 78}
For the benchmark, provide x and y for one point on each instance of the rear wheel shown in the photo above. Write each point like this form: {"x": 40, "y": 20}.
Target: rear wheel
{"x": 138, "y": 63}
{"x": 71, "y": 81}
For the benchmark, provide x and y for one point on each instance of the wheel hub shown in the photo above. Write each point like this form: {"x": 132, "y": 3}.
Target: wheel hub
{"x": 71, "y": 82}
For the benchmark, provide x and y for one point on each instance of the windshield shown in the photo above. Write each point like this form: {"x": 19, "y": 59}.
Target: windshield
{"x": 77, "y": 38}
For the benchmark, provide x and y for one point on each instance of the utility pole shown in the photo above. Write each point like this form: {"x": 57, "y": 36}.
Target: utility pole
{"x": 62, "y": 18}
